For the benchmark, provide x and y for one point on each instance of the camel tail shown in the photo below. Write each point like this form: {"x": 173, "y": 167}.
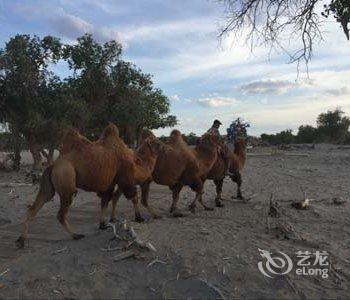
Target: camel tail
{"x": 45, "y": 194}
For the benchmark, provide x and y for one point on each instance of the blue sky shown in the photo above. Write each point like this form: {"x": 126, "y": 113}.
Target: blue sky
{"x": 205, "y": 79}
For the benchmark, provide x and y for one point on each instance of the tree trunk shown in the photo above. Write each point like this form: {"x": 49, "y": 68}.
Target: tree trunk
{"x": 16, "y": 150}
{"x": 50, "y": 158}
{"x": 49, "y": 155}
{"x": 34, "y": 149}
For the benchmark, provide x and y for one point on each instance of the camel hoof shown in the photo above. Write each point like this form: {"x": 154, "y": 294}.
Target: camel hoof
{"x": 78, "y": 236}
{"x": 192, "y": 208}
{"x": 20, "y": 242}
{"x": 239, "y": 196}
{"x": 103, "y": 226}
{"x": 208, "y": 208}
{"x": 219, "y": 204}
{"x": 139, "y": 219}
{"x": 177, "y": 214}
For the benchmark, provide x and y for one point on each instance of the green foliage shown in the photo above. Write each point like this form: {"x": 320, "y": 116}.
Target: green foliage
{"x": 191, "y": 138}
{"x": 332, "y": 127}
{"x": 116, "y": 90}
{"x": 7, "y": 142}
{"x": 283, "y": 137}
{"x": 39, "y": 106}
{"x": 306, "y": 134}
{"x": 340, "y": 9}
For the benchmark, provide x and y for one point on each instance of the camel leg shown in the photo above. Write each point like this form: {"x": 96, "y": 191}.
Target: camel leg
{"x": 200, "y": 199}
{"x": 66, "y": 201}
{"x": 130, "y": 193}
{"x": 31, "y": 213}
{"x": 196, "y": 186}
{"x": 144, "y": 200}
{"x": 45, "y": 194}
{"x": 176, "y": 189}
{"x": 105, "y": 198}
{"x": 135, "y": 202}
{"x": 238, "y": 179}
{"x": 218, "y": 184}
{"x": 115, "y": 199}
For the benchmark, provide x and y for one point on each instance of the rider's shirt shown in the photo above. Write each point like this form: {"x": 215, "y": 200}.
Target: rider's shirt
{"x": 214, "y": 131}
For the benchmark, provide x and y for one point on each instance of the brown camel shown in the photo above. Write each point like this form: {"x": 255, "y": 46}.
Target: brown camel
{"x": 237, "y": 160}
{"x": 92, "y": 166}
{"x": 178, "y": 165}
{"x": 145, "y": 160}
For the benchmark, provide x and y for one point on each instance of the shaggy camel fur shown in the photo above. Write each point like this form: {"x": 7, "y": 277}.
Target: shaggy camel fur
{"x": 178, "y": 165}
{"x": 92, "y": 166}
{"x": 145, "y": 160}
{"x": 237, "y": 160}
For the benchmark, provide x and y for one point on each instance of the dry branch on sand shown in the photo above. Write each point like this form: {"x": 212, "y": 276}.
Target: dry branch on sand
{"x": 304, "y": 204}
{"x": 127, "y": 233}
{"x": 14, "y": 184}
{"x": 282, "y": 228}
{"x": 338, "y": 201}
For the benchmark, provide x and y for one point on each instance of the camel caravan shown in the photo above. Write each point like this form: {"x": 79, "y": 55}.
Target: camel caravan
{"x": 109, "y": 168}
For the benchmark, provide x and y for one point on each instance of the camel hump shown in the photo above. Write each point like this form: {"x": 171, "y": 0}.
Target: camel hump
{"x": 145, "y": 134}
{"x": 110, "y": 131}
{"x": 176, "y": 136}
{"x": 175, "y": 133}
{"x": 71, "y": 140}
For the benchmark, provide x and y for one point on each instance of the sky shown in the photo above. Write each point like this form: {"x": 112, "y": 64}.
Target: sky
{"x": 204, "y": 78}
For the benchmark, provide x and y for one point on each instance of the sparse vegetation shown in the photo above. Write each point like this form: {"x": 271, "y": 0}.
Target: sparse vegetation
{"x": 332, "y": 127}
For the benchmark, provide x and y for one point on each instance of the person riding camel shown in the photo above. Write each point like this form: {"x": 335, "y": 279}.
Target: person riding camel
{"x": 214, "y": 129}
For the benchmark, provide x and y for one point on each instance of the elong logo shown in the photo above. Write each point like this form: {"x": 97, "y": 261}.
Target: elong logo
{"x": 281, "y": 264}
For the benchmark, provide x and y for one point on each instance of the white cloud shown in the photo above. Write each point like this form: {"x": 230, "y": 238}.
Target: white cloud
{"x": 338, "y": 91}
{"x": 167, "y": 30}
{"x": 215, "y": 101}
{"x": 277, "y": 87}
{"x": 72, "y": 26}
{"x": 175, "y": 98}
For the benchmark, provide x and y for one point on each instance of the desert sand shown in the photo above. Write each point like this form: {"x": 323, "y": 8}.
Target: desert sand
{"x": 212, "y": 254}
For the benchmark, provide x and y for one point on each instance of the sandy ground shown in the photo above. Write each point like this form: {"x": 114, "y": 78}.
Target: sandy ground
{"x": 206, "y": 255}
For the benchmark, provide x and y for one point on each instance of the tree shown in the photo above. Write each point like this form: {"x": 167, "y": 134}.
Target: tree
{"x": 57, "y": 109}
{"x": 38, "y": 106}
{"x": 92, "y": 64}
{"x": 283, "y": 137}
{"x": 333, "y": 126}
{"x": 307, "y": 134}
{"x": 272, "y": 22}
{"x": 191, "y": 138}
{"x": 116, "y": 90}
{"x": 23, "y": 68}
